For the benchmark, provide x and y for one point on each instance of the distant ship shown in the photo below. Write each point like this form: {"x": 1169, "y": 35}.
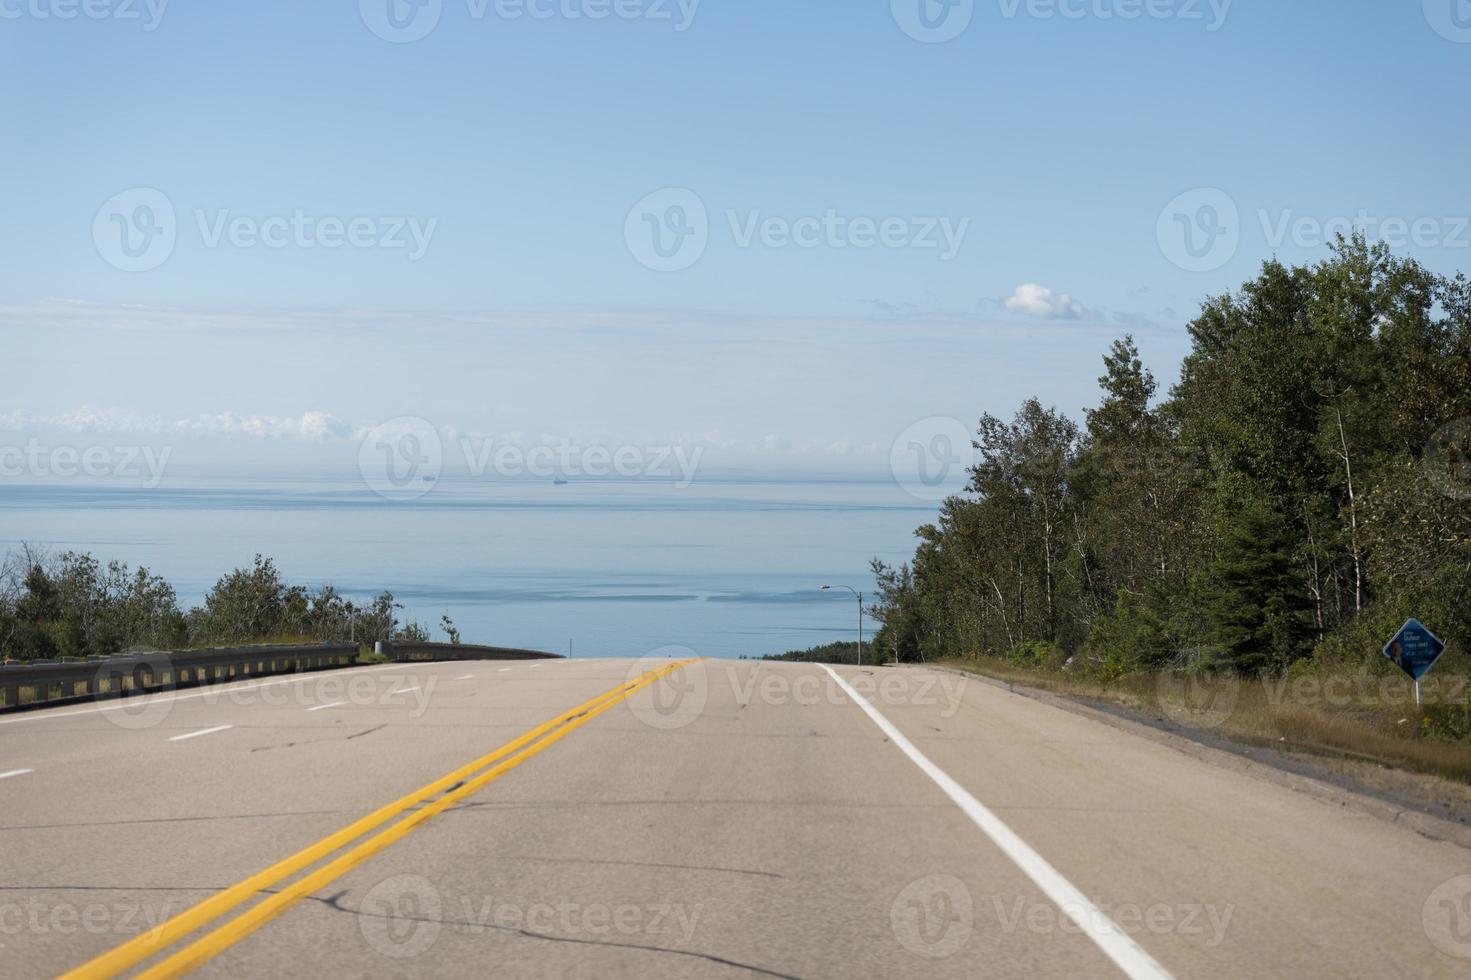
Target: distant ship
{"x": 559, "y": 482}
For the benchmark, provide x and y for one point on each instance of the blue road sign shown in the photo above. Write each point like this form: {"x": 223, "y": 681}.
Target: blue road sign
{"x": 1414, "y": 649}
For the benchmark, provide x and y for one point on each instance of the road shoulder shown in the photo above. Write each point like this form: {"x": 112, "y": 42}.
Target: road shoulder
{"x": 1352, "y": 786}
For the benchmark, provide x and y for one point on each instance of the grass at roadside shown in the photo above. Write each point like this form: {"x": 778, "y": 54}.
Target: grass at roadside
{"x": 1368, "y": 717}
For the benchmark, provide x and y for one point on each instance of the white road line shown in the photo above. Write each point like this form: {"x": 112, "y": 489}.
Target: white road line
{"x": 1116, "y": 944}
{"x": 324, "y": 707}
{"x": 213, "y": 691}
{"x": 402, "y": 690}
{"x": 15, "y": 772}
{"x": 466, "y": 677}
{"x": 503, "y": 670}
{"x": 202, "y": 731}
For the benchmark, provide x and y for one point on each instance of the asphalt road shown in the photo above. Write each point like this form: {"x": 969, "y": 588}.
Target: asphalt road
{"x": 725, "y": 820}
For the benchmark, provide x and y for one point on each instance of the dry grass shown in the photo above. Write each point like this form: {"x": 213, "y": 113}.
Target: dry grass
{"x": 1364, "y": 717}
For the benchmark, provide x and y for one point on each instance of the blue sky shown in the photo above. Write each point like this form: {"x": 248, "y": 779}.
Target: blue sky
{"x": 1030, "y": 174}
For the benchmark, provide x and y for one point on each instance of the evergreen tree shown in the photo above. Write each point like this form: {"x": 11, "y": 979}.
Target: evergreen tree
{"x": 1255, "y": 597}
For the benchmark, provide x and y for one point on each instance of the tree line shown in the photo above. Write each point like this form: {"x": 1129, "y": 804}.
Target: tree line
{"x": 72, "y": 605}
{"x": 838, "y": 652}
{"x": 1300, "y": 491}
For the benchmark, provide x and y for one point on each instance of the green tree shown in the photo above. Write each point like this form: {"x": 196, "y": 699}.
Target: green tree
{"x": 1255, "y": 597}
{"x": 247, "y": 604}
{"x": 1309, "y": 474}
{"x": 37, "y": 613}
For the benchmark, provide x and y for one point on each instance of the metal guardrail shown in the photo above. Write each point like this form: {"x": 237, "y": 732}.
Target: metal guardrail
{"x": 137, "y": 673}
{"x": 430, "y": 652}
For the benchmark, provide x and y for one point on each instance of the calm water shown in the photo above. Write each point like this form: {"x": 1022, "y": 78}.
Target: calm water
{"x": 608, "y": 568}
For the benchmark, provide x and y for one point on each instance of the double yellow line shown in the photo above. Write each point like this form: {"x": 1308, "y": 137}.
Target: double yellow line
{"x": 455, "y": 786}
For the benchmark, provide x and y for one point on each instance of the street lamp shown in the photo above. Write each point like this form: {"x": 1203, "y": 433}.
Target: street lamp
{"x": 859, "y": 596}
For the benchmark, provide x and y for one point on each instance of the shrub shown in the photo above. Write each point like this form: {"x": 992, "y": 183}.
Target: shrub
{"x": 1037, "y": 655}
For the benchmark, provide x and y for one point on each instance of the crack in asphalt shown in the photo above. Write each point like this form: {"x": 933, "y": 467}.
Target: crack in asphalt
{"x": 291, "y": 745}
{"x": 334, "y": 902}
{"x": 468, "y": 806}
{"x": 319, "y": 741}
{"x": 507, "y": 857}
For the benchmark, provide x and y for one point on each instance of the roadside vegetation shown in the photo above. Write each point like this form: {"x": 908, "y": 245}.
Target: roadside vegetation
{"x": 1268, "y": 522}
{"x": 72, "y": 605}
{"x": 1357, "y": 716}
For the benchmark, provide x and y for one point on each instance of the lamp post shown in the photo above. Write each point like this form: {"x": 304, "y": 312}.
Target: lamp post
{"x": 859, "y": 596}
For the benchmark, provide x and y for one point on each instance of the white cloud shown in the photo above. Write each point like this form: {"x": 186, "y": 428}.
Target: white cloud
{"x": 311, "y": 426}
{"x": 83, "y": 419}
{"x": 17, "y": 421}
{"x": 776, "y": 444}
{"x": 324, "y": 425}
{"x": 317, "y": 427}
{"x": 1035, "y": 300}
{"x": 721, "y": 382}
